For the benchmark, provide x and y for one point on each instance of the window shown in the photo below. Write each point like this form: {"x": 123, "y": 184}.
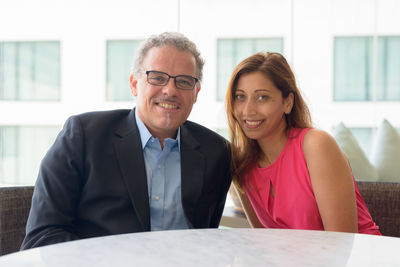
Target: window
{"x": 120, "y": 56}
{"x": 353, "y": 69}
{"x": 231, "y": 51}
{"x": 21, "y": 151}
{"x": 30, "y": 71}
{"x": 388, "y": 74}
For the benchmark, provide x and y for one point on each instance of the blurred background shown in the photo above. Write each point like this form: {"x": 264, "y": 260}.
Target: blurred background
{"x": 59, "y": 58}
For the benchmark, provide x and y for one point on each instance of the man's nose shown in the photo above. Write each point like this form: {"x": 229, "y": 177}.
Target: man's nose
{"x": 170, "y": 87}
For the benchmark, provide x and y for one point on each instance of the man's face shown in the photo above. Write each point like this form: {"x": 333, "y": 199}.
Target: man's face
{"x": 164, "y": 108}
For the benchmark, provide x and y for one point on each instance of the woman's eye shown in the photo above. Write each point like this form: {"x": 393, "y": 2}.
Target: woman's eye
{"x": 262, "y": 97}
{"x": 239, "y": 97}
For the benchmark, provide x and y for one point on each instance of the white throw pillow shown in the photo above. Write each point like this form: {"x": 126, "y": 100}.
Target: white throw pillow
{"x": 360, "y": 165}
{"x": 386, "y": 153}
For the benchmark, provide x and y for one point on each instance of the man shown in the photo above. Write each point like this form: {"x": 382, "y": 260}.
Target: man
{"x": 144, "y": 169}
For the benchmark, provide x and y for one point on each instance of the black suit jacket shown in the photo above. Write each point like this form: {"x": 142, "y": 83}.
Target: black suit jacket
{"x": 92, "y": 182}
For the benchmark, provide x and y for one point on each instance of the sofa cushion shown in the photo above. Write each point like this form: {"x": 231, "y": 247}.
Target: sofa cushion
{"x": 386, "y": 153}
{"x": 360, "y": 165}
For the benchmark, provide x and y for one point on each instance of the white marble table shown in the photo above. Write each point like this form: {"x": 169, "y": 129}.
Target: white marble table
{"x": 217, "y": 247}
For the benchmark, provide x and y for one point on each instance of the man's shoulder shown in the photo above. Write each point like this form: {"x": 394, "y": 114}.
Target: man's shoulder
{"x": 100, "y": 117}
{"x": 104, "y": 114}
{"x": 109, "y": 120}
{"x": 202, "y": 132}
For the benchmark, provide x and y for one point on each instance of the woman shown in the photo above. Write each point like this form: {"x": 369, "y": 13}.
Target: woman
{"x": 288, "y": 175}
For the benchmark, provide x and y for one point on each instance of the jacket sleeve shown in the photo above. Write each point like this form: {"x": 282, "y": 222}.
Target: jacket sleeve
{"x": 226, "y": 182}
{"x": 57, "y": 190}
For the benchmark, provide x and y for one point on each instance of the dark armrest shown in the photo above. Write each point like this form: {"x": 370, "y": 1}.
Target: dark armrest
{"x": 15, "y": 203}
{"x": 383, "y": 202}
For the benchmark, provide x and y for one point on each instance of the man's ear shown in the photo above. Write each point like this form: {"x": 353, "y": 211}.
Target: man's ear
{"x": 133, "y": 84}
{"x": 197, "y": 92}
{"x": 289, "y": 101}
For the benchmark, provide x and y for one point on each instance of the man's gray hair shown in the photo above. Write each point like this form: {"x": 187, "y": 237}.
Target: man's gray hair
{"x": 175, "y": 39}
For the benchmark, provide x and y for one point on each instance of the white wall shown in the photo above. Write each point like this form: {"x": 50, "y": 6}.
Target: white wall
{"x": 83, "y": 26}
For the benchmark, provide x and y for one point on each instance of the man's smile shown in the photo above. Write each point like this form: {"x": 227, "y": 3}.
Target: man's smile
{"x": 165, "y": 105}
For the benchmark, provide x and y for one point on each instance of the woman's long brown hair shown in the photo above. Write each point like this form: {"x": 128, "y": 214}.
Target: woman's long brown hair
{"x": 245, "y": 151}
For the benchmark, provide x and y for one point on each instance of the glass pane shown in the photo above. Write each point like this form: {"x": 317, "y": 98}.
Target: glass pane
{"x": 25, "y": 70}
{"x": 8, "y": 153}
{"x": 8, "y": 79}
{"x": 243, "y": 48}
{"x": 353, "y": 69}
{"x": 388, "y": 69}
{"x": 269, "y": 45}
{"x": 120, "y": 56}
{"x": 22, "y": 149}
{"x": 231, "y": 51}
{"x": 47, "y": 70}
{"x": 30, "y": 71}
{"x": 225, "y": 61}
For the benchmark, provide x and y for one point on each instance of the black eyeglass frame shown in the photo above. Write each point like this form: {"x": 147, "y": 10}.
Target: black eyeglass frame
{"x": 169, "y": 77}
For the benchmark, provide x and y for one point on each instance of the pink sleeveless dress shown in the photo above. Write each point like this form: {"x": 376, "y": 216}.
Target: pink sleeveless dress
{"x": 294, "y": 205}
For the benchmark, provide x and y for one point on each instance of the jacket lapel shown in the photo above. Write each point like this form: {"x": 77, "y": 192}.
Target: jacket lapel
{"x": 192, "y": 174}
{"x": 128, "y": 149}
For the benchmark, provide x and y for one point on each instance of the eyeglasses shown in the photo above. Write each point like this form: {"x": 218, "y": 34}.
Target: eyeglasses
{"x": 158, "y": 78}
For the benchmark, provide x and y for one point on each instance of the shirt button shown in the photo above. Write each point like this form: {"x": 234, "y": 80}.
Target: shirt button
{"x": 157, "y": 197}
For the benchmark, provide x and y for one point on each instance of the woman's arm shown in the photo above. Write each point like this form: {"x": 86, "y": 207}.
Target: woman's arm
{"x": 248, "y": 209}
{"x": 332, "y": 182}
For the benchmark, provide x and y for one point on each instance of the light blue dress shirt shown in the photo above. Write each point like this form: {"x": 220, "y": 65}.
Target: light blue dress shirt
{"x": 163, "y": 169}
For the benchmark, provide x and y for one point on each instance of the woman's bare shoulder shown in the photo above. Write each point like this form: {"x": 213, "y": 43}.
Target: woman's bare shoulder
{"x": 316, "y": 140}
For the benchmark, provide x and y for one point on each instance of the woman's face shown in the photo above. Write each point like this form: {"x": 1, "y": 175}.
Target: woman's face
{"x": 259, "y": 106}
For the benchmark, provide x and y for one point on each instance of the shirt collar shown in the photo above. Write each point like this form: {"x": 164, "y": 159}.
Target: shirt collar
{"x": 145, "y": 135}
